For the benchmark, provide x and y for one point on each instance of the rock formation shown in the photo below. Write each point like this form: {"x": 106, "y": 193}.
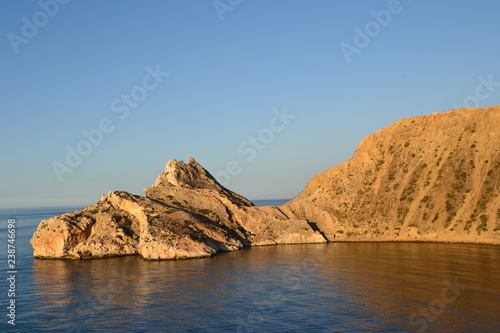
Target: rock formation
{"x": 186, "y": 214}
{"x": 430, "y": 178}
{"x": 190, "y": 187}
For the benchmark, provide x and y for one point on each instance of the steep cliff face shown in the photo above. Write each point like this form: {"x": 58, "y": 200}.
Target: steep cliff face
{"x": 430, "y": 178}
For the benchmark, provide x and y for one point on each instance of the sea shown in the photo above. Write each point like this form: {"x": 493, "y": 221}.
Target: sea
{"x": 334, "y": 287}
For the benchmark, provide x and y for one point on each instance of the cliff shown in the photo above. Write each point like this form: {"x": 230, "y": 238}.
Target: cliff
{"x": 430, "y": 178}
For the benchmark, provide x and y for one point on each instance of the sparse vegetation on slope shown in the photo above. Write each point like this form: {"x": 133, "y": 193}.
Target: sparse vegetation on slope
{"x": 435, "y": 178}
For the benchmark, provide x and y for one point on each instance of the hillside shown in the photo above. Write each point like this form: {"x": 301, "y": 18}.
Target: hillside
{"x": 430, "y": 178}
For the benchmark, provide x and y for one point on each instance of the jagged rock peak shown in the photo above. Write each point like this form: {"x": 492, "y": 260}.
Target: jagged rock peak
{"x": 192, "y": 176}
{"x": 187, "y": 175}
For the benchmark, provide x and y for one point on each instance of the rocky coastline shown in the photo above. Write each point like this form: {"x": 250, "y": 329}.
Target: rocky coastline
{"x": 433, "y": 178}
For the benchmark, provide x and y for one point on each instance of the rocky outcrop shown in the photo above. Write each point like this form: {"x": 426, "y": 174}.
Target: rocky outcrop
{"x": 186, "y": 214}
{"x": 192, "y": 188}
{"x": 430, "y": 178}
{"x": 126, "y": 224}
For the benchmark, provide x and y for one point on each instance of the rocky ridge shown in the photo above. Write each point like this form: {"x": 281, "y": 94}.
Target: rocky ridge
{"x": 185, "y": 214}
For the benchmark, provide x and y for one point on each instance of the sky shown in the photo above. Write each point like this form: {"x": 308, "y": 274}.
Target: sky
{"x": 97, "y": 96}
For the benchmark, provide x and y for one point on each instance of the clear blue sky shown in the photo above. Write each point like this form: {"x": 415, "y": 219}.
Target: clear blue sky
{"x": 225, "y": 78}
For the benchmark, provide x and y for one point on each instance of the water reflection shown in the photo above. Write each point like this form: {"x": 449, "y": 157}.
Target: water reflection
{"x": 313, "y": 287}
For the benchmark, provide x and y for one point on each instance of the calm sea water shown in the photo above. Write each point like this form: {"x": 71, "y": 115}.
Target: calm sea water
{"x": 343, "y": 287}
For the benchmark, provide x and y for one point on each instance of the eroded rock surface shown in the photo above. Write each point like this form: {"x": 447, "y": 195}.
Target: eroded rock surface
{"x": 190, "y": 187}
{"x": 186, "y": 214}
{"x": 430, "y": 178}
